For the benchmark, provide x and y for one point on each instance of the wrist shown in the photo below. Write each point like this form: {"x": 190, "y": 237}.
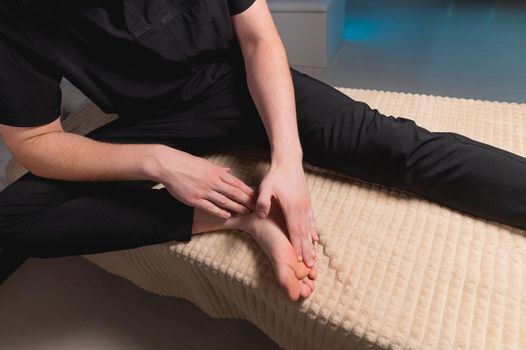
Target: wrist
{"x": 286, "y": 155}
{"x": 153, "y": 161}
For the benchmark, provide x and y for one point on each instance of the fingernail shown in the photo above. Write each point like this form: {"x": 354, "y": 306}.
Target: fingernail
{"x": 261, "y": 214}
{"x": 300, "y": 258}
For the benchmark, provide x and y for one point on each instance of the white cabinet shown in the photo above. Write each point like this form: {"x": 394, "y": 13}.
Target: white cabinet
{"x": 311, "y": 30}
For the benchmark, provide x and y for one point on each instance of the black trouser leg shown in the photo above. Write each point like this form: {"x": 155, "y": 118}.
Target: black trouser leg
{"x": 340, "y": 133}
{"x": 49, "y": 218}
{"x": 55, "y": 218}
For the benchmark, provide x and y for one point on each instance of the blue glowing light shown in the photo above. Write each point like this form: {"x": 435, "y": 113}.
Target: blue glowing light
{"x": 359, "y": 30}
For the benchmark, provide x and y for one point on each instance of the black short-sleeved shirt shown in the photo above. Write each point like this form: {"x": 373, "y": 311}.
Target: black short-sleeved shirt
{"x": 131, "y": 57}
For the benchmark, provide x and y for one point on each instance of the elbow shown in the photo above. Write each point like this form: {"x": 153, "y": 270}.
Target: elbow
{"x": 265, "y": 45}
{"x": 26, "y": 158}
{"x": 24, "y": 143}
{"x": 27, "y": 153}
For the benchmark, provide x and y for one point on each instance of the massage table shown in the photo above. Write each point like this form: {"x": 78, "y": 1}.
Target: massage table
{"x": 394, "y": 271}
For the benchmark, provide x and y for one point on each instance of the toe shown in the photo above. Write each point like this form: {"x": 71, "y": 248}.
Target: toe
{"x": 313, "y": 273}
{"x": 310, "y": 283}
{"x": 300, "y": 270}
{"x": 289, "y": 282}
{"x": 305, "y": 290}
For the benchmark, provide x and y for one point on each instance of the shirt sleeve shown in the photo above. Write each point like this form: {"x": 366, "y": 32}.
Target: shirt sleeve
{"x": 30, "y": 92}
{"x": 238, "y": 6}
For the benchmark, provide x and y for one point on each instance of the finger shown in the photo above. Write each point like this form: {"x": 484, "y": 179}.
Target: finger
{"x": 263, "y": 203}
{"x": 312, "y": 233}
{"x": 306, "y": 245}
{"x": 315, "y": 236}
{"x": 314, "y": 254}
{"x": 291, "y": 219}
{"x": 236, "y": 182}
{"x": 313, "y": 245}
{"x": 236, "y": 194}
{"x": 212, "y": 209}
{"x": 224, "y": 202}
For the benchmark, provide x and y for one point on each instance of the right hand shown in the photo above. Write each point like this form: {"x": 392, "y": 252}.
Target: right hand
{"x": 202, "y": 184}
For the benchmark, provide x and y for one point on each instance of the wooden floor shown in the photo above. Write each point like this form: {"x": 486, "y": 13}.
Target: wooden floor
{"x": 472, "y": 49}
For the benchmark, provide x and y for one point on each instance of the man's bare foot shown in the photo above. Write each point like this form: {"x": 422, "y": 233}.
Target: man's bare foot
{"x": 270, "y": 234}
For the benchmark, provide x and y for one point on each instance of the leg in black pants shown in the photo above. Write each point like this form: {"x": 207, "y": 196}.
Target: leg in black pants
{"x": 55, "y": 218}
{"x": 339, "y": 133}
{"x": 51, "y": 218}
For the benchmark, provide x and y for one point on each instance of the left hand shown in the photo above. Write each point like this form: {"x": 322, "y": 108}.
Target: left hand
{"x": 285, "y": 181}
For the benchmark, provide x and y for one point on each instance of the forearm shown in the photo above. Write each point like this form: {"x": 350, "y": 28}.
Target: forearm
{"x": 270, "y": 85}
{"x": 68, "y": 156}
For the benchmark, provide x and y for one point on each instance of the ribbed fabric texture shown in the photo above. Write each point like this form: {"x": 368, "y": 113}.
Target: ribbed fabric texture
{"x": 395, "y": 271}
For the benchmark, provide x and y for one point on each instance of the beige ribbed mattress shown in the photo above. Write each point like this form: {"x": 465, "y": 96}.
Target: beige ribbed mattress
{"x": 394, "y": 271}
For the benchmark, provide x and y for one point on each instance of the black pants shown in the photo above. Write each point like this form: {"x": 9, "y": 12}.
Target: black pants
{"x": 49, "y": 218}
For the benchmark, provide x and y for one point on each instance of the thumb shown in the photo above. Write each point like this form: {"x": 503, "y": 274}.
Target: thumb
{"x": 263, "y": 203}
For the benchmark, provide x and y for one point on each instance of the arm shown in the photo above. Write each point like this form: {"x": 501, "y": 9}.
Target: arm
{"x": 271, "y": 87}
{"x": 48, "y": 151}
{"x": 269, "y": 80}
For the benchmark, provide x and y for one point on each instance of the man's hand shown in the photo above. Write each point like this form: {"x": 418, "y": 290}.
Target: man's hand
{"x": 285, "y": 181}
{"x": 202, "y": 184}
{"x": 271, "y": 87}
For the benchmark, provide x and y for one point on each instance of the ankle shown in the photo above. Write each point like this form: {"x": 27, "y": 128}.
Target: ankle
{"x": 204, "y": 222}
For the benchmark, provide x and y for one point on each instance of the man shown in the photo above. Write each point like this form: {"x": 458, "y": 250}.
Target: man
{"x": 186, "y": 76}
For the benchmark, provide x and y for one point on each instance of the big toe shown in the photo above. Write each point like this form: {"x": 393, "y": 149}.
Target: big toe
{"x": 288, "y": 281}
{"x": 301, "y": 270}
